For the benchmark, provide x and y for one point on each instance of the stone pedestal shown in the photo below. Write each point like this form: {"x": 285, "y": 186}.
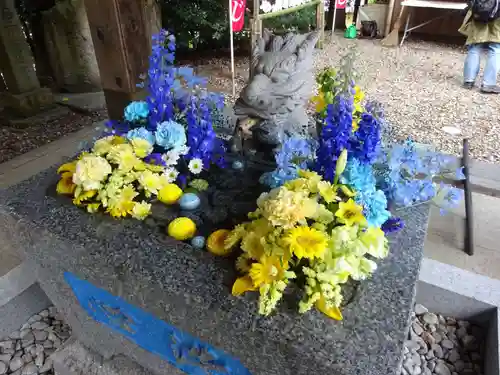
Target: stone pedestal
{"x": 128, "y": 289}
{"x": 28, "y": 103}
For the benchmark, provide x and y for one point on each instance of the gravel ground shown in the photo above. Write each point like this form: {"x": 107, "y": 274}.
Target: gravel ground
{"x": 419, "y": 86}
{"x": 442, "y": 346}
{"x": 27, "y": 351}
{"x": 15, "y": 141}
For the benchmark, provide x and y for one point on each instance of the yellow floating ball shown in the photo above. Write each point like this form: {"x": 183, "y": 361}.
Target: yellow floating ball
{"x": 182, "y": 228}
{"x": 215, "y": 242}
{"x": 169, "y": 194}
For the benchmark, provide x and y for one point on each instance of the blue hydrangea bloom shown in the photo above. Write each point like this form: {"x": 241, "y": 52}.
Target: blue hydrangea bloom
{"x": 142, "y": 133}
{"x": 136, "y": 111}
{"x": 170, "y": 134}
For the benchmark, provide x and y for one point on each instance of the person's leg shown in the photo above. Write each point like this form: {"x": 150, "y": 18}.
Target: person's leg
{"x": 491, "y": 69}
{"x": 471, "y": 65}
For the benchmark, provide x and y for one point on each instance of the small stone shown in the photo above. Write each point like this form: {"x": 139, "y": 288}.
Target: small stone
{"x": 451, "y": 321}
{"x": 16, "y": 363}
{"x": 28, "y": 340}
{"x": 40, "y": 335}
{"x": 432, "y": 328}
{"x": 459, "y": 365}
{"x": 44, "y": 313}
{"x": 453, "y": 356}
{"x": 411, "y": 345}
{"x": 39, "y": 325}
{"x": 34, "y": 318}
{"x": 415, "y": 358}
{"x": 16, "y": 335}
{"x": 27, "y": 358}
{"x": 430, "y": 318}
{"x": 438, "y": 351}
{"x": 437, "y": 337}
{"x": 427, "y": 371}
{"x": 417, "y": 370}
{"x": 447, "y": 344}
{"x": 417, "y": 328}
{"x": 3, "y": 368}
{"x": 430, "y": 354}
{"x": 420, "y": 310}
{"x": 39, "y": 360}
{"x": 442, "y": 369}
{"x": 5, "y": 357}
{"x": 441, "y": 320}
{"x": 431, "y": 365}
{"x": 52, "y": 311}
{"x": 468, "y": 341}
{"x": 24, "y": 333}
{"x": 18, "y": 345}
{"x": 18, "y": 372}
{"x": 408, "y": 365}
{"x": 57, "y": 342}
{"x": 463, "y": 323}
{"x": 461, "y": 332}
{"x": 48, "y": 344}
{"x": 47, "y": 366}
{"x": 428, "y": 338}
{"x": 30, "y": 369}
{"x": 7, "y": 344}
{"x": 9, "y": 351}
{"x": 451, "y": 330}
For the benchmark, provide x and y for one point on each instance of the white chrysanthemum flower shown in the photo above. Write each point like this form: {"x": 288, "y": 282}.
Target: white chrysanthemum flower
{"x": 171, "y": 157}
{"x": 195, "y": 166}
{"x": 90, "y": 171}
{"x": 171, "y": 174}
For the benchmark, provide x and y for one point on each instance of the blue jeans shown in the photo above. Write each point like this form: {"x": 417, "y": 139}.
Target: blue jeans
{"x": 471, "y": 66}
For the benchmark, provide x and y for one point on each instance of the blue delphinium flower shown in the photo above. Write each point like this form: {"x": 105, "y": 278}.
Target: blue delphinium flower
{"x": 366, "y": 144}
{"x": 142, "y": 133}
{"x": 136, "y": 111}
{"x": 295, "y": 153}
{"x": 334, "y": 137}
{"x": 155, "y": 158}
{"x": 392, "y": 225}
{"x": 170, "y": 134}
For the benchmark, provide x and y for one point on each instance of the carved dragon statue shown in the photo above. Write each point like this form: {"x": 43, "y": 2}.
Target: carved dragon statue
{"x": 273, "y": 103}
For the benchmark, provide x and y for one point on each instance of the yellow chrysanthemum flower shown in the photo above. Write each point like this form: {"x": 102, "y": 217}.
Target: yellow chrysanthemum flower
{"x": 90, "y": 171}
{"x": 350, "y": 213}
{"x": 142, "y": 147}
{"x": 83, "y": 196}
{"x": 306, "y": 242}
{"x": 124, "y": 156}
{"x": 93, "y": 207}
{"x": 242, "y": 285}
{"x": 252, "y": 245}
{"x": 234, "y": 236}
{"x": 141, "y": 210}
{"x": 150, "y": 181}
{"x": 244, "y": 263}
{"x": 355, "y": 124}
{"x": 122, "y": 204}
{"x": 267, "y": 270}
{"x": 103, "y": 145}
{"x": 65, "y": 185}
{"x": 330, "y": 311}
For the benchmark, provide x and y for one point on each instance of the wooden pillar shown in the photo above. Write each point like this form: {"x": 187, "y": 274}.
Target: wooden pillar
{"x": 122, "y": 42}
{"x": 320, "y": 23}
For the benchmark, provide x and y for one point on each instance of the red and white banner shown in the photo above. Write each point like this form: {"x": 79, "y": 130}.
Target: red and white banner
{"x": 340, "y": 4}
{"x": 238, "y": 14}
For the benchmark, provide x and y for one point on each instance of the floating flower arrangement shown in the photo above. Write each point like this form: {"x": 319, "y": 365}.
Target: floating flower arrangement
{"x": 329, "y": 204}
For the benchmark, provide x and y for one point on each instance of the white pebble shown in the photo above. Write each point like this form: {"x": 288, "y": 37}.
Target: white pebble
{"x": 442, "y": 369}
{"x": 30, "y": 369}
{"x": 420, "y": 310}
{"x": 447, "y": 344}
{"x": 39, "y": 325}
{"x": 3, "y": 368}
{"x": 16, "y": 363}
